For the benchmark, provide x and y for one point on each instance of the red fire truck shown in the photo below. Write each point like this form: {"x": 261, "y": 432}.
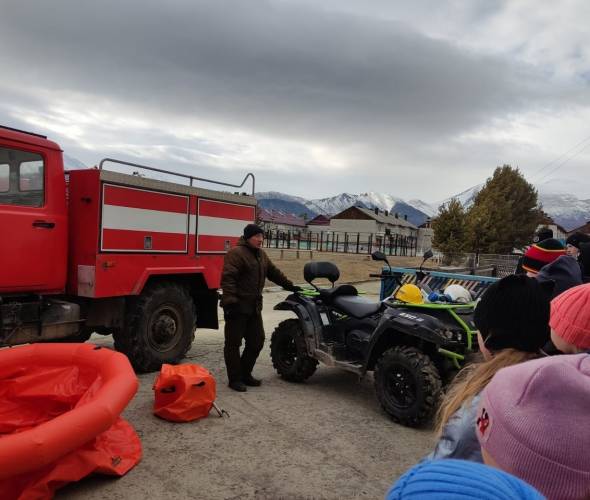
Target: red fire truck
{"x": 95, "y": 250}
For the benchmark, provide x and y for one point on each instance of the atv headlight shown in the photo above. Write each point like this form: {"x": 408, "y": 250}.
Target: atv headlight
{"x": 453, "y": 335}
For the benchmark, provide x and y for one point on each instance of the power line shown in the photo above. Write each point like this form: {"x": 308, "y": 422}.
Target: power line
{"x": 563, "y": 155}
{"x": 551, "y": 172}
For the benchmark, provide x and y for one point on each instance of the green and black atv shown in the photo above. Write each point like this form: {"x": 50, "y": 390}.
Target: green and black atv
{"x": 410, "y": 348}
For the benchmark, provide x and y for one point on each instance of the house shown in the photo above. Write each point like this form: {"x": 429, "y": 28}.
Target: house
{"x": 582, "y": 229}
{"x": 318, "y": 224}
{"x": 275, "y": 220}
{"x": 427, "y": 224}
{"x": 372, "y": 221}
{"x": 558, "y": 231}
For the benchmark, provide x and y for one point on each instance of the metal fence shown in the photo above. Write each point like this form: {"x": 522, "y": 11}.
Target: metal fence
{"x": 504, "y": 264}
{"x": 499, "y": 264}
{"x": 342, "y": 242}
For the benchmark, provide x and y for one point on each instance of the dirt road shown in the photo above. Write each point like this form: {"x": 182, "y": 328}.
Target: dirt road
{"x": 325, "y": 439}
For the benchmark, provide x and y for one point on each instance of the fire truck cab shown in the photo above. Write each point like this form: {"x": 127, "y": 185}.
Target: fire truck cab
{"x": 95, "y": 250}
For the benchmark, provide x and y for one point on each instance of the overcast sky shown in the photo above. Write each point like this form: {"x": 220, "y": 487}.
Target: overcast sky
{"x": 419, "y": 99}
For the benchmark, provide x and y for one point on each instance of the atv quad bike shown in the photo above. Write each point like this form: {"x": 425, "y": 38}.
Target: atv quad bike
{"x": 409, "y": 347}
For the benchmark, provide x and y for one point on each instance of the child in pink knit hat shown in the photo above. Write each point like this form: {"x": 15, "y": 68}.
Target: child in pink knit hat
{"x": 570, "y": 320}
{"x": 533, "y": 423}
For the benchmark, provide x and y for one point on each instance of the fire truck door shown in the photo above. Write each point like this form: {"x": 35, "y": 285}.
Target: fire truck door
{"x": 32, "y": 233}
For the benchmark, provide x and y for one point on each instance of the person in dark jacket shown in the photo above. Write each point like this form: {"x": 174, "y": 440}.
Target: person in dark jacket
{"x": 245, "y": 269}
{"x": 543, "y": 234}
{"x": 540, "y": 254}
{"x": 584, "y": 261}
{"x": 564, "y": 272}
{"x": 573, "y": 242}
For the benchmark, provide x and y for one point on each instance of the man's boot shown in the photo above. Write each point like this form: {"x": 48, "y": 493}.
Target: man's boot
{"x": 237, "y": 385}
{"x": 251, "y": 381}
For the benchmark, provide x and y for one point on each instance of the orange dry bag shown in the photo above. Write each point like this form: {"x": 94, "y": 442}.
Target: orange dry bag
{"x": 183, "y": 392}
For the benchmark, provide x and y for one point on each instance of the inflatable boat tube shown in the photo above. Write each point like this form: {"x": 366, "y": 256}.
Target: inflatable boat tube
{"x": 114, "y": 385}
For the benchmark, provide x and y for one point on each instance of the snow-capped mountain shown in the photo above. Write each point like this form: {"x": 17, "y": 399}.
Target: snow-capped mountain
{"x": 426, "y": 208}
{"x": 414, "y": 215}
{"x": 466, "y": 198}
{"x": 416, "y": 210}
{"x": 336, "y": 204}
{"x": 566, "y": 209}
{"x": 71, "y": 163}
{"x": 273, "y": 200}
{"x": 275, "y": 195}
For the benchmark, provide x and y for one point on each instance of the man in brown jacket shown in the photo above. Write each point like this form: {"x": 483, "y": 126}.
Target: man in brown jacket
{"x": 245, "y": 269}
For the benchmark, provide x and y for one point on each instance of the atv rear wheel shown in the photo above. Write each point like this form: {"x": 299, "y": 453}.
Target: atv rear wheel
{"x": 408, "y": 385}
{"x": 288, "y": 353}
{"x": 159, "y": 327}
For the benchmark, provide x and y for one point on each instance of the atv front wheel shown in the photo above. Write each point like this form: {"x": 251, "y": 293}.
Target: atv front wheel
{"x": 288, "y": 353}
{"x": 408, "y": 385}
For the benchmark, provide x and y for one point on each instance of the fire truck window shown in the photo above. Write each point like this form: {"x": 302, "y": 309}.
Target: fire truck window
{"x": 4, "y": 177}
{"x": 21, "y": 178}
{"x": 31, "y": 176}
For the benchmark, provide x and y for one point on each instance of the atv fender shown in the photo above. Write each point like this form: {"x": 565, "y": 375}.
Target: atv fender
{"x": 404, "y": 334}
{"x": 310, "y": 325}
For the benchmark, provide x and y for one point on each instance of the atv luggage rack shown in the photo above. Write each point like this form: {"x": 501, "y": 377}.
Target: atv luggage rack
{"x": 191, "y": 178}
{"x": 436, "y": 280}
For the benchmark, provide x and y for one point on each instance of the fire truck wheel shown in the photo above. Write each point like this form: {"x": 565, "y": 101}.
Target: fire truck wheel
{"x": 160, "y": 327}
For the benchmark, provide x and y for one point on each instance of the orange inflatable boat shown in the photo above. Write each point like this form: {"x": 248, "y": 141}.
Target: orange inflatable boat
{"x": 55, "y": 398}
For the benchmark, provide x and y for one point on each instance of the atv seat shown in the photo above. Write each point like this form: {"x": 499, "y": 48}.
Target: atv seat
{"x": 329, "y": 271}
{"x": 358, "y": 307}
{"x": 329, "y": 294}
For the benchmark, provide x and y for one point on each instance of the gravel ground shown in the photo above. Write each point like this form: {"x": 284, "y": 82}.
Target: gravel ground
{"x": 325, "y": 439}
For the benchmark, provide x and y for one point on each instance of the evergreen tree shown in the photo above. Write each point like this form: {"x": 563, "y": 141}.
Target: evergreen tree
{"x": 504, "y": 214}
{"x": 450, "y": 229}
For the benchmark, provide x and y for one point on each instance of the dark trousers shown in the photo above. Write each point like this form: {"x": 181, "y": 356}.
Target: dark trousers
{"x": 249, "y": 328}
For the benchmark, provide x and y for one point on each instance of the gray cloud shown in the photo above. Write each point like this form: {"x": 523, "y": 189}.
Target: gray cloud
{"x": 387, "y": 97}
{"x": 270, "y": 66}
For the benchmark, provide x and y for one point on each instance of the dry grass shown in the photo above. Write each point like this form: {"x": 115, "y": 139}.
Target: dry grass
{"x": 353, "y": 268}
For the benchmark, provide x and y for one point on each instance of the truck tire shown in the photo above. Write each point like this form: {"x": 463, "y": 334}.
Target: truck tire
{"x": 407, "y": 384}
{"x": 159, "y": 327}
{"x": 289, "y": 354}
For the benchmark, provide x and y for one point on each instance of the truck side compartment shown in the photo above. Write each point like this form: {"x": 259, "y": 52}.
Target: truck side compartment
{"x": 131, "y": 229}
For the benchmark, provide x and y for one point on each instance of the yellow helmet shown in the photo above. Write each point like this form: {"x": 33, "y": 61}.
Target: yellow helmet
{"x": 409, "y": 293}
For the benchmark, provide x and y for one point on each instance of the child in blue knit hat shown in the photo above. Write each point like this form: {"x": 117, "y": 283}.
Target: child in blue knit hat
{"x": 453, "y": 479}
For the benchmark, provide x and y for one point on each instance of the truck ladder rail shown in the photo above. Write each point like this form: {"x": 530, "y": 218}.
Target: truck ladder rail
{"x": 190, "y": 177}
